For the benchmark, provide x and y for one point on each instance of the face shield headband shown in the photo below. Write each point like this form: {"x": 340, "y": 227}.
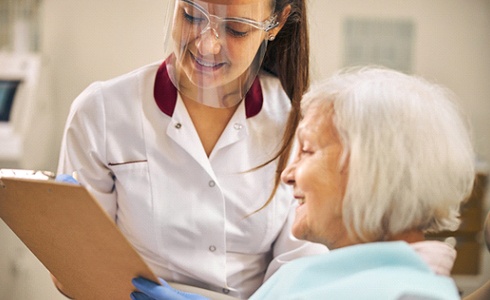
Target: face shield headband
{"x": 216, "y": 50}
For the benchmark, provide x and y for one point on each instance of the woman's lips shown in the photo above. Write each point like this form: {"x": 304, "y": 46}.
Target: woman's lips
{"x": 205, "y": 65}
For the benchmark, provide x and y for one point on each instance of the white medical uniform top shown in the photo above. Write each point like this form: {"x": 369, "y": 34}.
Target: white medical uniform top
{"x": 135, "y": 148}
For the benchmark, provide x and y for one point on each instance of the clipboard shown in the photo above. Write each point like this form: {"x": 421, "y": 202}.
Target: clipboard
{"x": 73, "y": 237}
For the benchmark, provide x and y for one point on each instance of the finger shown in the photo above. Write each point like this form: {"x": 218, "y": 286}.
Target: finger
{"x": 66, "y": 178}
{"x": 164, "y": 283}
{"x": 139, "y": 296}
{"x": 153, "y": 289}
{"x": 143, "y": 284}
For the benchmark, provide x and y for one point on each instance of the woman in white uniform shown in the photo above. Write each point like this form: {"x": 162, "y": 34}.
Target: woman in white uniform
{"x": 186, "y": 154}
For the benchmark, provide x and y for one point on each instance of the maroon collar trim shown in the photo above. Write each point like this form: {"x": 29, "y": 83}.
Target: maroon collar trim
{"x": 165, "y": 94}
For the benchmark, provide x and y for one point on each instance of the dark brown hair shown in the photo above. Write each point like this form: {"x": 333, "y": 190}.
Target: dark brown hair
{"x": 287, "y": 57}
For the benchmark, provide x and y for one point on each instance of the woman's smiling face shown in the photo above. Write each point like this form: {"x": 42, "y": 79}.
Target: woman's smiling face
{"x": 318, "y": 179}
{"x": 221, "y": 53}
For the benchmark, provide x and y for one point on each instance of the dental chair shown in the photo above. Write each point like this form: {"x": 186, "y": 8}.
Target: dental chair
{"x": 483, "y": 293}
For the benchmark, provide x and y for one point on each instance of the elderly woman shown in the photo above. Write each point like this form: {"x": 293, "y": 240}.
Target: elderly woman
{"x": 382, "y": 158}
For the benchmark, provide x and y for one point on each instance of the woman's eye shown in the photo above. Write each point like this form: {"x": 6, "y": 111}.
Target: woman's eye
{"x": 193, "y": 19}
{"x": 237, "y": 29}
{"x": 236, "y": 33}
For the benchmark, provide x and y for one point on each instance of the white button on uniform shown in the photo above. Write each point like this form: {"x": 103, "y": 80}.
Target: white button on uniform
{"x": 226, "y": 291}
{"x": 178, "y": 125}
{"x": 212, "y": 183}
{"x": 238, "y": 126}
{"x": 212, "y": 248}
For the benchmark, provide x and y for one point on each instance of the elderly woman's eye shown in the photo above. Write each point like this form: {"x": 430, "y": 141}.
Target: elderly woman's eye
{"x": 306, "y": 151}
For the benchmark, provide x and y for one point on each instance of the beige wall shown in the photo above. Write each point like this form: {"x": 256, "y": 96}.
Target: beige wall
{"x": 91, "y": 40}
{"x": 452, "y": 46}
{"x": 95, "y": 40}
{"x": 84, "y": 41}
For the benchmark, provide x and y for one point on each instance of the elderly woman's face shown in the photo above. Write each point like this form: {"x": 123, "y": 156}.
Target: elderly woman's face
{"x": 318, "y": 180}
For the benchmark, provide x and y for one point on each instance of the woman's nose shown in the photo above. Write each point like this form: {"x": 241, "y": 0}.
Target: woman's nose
{"x": 287, "y": 175}
{"x": 209, "y": 42}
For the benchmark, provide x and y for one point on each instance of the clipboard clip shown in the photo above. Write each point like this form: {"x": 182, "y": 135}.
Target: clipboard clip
{"x": 26, "y": 174}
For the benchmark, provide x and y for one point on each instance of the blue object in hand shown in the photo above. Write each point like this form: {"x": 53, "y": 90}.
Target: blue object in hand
{"x": 148, "y": 290}
{"x": 66, "y": 179}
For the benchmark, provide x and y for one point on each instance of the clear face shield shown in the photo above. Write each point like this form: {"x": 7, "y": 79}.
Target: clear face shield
{"x": 216, "y": 47}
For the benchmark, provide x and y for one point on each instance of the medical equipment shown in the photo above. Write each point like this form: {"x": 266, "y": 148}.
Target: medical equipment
{"x": 19, "y": 103}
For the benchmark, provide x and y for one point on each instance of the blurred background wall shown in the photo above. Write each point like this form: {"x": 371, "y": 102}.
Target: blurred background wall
{"x": 84, "y": 41}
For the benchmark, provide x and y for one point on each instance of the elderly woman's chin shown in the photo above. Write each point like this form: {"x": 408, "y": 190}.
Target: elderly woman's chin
{"x": 300, "y": 227}
{"x": 333, "y": 236}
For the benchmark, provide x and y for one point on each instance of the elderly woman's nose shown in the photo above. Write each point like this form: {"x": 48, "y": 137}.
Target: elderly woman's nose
{"x": 287, "y": 176}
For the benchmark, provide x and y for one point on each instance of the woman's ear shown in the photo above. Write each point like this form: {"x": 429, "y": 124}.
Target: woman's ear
{"x": 282, "y": 18}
